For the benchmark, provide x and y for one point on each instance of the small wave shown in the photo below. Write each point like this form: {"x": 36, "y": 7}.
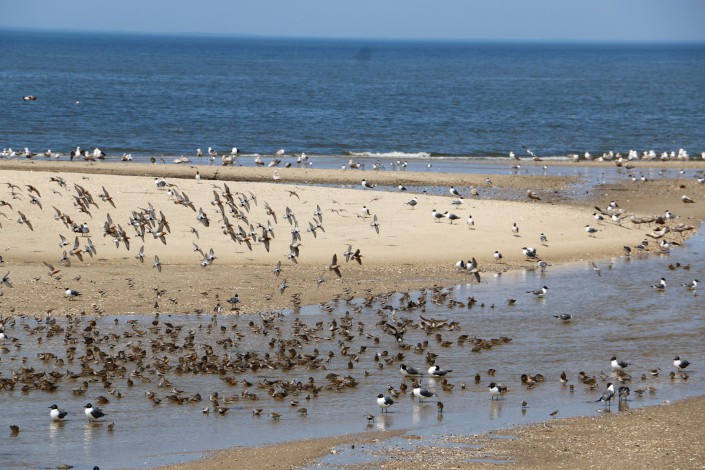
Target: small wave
{"x": 388, "y": 155}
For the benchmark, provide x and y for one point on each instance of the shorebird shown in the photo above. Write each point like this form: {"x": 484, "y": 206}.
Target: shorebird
{"x": 6, "y": 280}
{"x": 140, "y": 254}
{"x": 56, "y": 414}
{"x": 471, "y": 222}
{"x": 366, "y": 185}
{"x": 71, "y": 294}
{"x": 617, "y": 365}
{"x": 498, "y": 256}
{"x": 157, "y": 264}
{"x": 539, "y": 293}
{"x": 233, "y": 301}
{"x": 437, "y": 215}
{"x": 92, "y": 412}
{"x": 450, "y": 216}
{"x": 52, "y": 270}
{"x": 454, "y": 192}
{"x": 401, "y": 187}
{"x": 438, "y": 372}
{"x": 412, "y": 202}
{"x": 591, "y": 231}
{"x": 384, "y": 403}
{"x": 334, "y": 266}
{"x": 515, "y": 229}
{"x": 408, "y": 371}
{"x": 564, "y": 316}
{"x": 471, "y": 267}
{"x": 607, "y": 395}
{"x": 661, "y": 284}
{"x": 679, "y": 363}
{"x": 532, "y": 195}
{"x": 422, "y": 393}
{"x": 375, "y": 223}
{"x": 496, "y": 390}
{"x": 596, "y": 269}
{"x": 24, "y": 221}
{"x": 542, "y": 265}
{"x": 686, "y": 199}
{"x": 691, "y": 285}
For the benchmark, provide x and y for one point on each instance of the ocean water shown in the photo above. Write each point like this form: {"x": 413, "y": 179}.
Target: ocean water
{"x": 158, "y": 95}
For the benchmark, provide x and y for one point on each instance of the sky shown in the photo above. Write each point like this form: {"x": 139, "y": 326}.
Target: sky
{"x": 493, "y": 20}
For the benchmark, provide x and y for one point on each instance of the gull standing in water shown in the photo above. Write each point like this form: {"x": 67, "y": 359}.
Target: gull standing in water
{"x": 408, "y": 371}
{"x": 607, "y": 395}
{"x": 679, "y": 363}
{"x": 422, "y": 393}
{"x": 56, "y": 414}
{"x": 384, "y": 402}
{"x": 496, "y": 390}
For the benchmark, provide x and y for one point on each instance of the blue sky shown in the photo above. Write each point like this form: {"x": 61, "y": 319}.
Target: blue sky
{"x": 531, "y": 20}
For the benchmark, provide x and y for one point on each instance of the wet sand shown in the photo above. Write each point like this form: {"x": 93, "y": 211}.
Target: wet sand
{"x": 411, "y": 251}
{"x": 665, "y": 436}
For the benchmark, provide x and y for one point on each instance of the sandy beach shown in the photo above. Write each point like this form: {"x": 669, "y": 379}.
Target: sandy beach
{"x": 411, "y": 250}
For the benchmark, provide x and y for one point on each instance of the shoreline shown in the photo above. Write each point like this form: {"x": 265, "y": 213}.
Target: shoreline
{"x": 576, "y": 442}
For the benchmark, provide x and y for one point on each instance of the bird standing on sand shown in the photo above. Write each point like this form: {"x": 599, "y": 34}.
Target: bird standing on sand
{"x": 498, "y": 256}
{"x": 366, "y": 185}
{"x": 71, "y": 294}
{"x": 591, "y": 231}
{"x": 471, "y": 222}
{"x": 496, "y": 390}
{"x": 450, "y": 216}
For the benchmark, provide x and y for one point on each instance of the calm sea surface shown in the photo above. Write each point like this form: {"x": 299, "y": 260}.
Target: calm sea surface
{"x": 170, "y": 95}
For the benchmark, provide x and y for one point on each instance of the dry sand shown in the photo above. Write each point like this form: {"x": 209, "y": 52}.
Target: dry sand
{"x": 410, "y": 251}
